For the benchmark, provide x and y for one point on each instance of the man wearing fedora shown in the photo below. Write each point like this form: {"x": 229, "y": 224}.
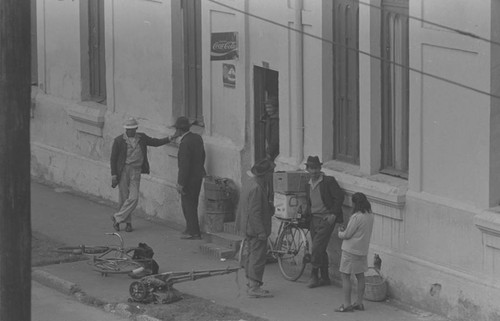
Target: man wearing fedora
{"x": 191, "y": 163}
{"x": 255, "y": 224}
{"x": 129, "y": 159}
{"x": 324, "y": 200}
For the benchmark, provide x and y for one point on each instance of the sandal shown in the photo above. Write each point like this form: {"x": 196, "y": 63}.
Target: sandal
{"x": 344, "y": 309}
{"x": 358, "y": 306}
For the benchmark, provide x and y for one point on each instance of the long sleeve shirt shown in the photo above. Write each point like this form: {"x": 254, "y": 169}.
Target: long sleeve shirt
{"x": 255, "y": 210}
{"x": 356, "y": 237}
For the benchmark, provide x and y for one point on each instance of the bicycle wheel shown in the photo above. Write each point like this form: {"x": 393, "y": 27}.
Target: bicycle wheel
{"x": 82, "y": 249}
{"x": 115, "y": 265}
{"x": 292, "y": 250}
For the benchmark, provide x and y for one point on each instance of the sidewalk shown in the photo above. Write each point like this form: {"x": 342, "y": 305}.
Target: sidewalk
{"x": 77, "y": 220}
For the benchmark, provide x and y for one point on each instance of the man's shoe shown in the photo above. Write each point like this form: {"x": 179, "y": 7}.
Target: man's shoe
{"x": 314, "y": 280}
{"x": 313, "y": 283}
{"x": 116, "y": 225}
{"x": 343, "y": 308}
{"x": 258, "y": 293}
{"x": 190, "y": 237}
{"x": 128, "y": 228}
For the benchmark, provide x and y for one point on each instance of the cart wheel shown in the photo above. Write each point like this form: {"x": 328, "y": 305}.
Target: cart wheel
{"x": 138, "y": 291}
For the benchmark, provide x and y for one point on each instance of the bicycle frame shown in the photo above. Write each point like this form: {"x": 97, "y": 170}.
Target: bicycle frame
{"x": 290, "y": 249}
{"x": 109, "y": 259}
{"x": 284, "y": 223}
{"x": 121, "y": 250}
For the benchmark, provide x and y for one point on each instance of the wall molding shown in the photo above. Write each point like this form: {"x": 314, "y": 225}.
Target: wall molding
{"x": 488, "y": 222}
{"x": 88, "y": 117}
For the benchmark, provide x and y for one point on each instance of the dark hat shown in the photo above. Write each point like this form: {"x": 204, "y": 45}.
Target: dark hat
{"x": 263, "y": 167}
{"x": 313, "y": 161}
{"x": 182, "y": 123}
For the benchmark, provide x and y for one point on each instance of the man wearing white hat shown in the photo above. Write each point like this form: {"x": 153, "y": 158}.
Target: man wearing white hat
{"x": 129, "y": 159}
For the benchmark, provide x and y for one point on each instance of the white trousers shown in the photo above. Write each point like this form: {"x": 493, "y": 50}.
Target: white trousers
{"x": 128, "y": 187}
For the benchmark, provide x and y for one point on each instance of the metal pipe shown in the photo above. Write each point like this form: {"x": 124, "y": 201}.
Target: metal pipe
{"x": 299, "y": 90}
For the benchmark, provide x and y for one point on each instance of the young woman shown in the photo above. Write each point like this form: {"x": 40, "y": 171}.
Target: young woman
{"x": 356, "y": 241}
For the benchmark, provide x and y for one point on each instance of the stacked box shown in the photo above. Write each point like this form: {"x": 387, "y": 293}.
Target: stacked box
{"x": 290, "y": 182}
{"x": 289, "y": 206}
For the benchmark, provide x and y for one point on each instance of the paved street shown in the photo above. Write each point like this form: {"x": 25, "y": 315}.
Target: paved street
{"x": 77, "y": 220}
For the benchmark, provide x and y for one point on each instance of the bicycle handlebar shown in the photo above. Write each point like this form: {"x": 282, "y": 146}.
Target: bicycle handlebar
{"x": 118, "y": 235}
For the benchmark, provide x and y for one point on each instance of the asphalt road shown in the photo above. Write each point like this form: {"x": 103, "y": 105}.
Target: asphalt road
{"x": 48, "y": 304}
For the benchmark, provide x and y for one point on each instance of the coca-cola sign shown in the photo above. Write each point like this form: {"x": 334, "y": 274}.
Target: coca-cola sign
{"x": 224, "y": 46}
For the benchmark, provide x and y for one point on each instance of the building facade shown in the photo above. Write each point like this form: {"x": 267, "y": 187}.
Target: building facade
{"x": 399, "y": 98}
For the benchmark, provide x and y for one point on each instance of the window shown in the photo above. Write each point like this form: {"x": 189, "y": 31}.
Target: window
{"x": 192, "y": 60}
{"x": 93, "y": 51}
{"x": 96, "y": 51}
{"x": 346, "y": 84}
{"x": 395, "y": 90}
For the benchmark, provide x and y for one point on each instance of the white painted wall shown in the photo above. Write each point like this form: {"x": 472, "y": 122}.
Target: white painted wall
{"x": 62, "y": 64}
{"x": 450, "y": 133}
{"x": 139, "y": 84}
{"x": 143, "y": 62}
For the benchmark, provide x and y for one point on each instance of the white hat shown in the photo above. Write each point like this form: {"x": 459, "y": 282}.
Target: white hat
{"x": 131, "y": 123}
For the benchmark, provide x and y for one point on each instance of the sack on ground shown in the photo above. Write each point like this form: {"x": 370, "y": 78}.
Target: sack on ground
{"x": 144, "y": 254}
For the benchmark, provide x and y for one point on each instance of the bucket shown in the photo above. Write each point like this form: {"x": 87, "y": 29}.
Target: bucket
{"x": 375, "y": 286}
{"x": 215, "y": 221}
{"x": 218, "y": 203}
{"x": 216, "y": 188}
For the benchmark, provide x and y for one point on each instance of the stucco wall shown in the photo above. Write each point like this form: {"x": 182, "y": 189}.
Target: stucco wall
{"x": 61, "y": 76}
{"x": 441, "y": 148}
{"x": 139, "y": 84}
{"x": 142, "y": 60}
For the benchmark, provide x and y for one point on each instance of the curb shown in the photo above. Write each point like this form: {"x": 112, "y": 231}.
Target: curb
{"x": 55, "y": 282}
{"x": 73, "y": 289}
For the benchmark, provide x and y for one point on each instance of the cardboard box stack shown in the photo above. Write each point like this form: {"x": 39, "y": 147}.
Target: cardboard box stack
{"x": 290, "y": 193}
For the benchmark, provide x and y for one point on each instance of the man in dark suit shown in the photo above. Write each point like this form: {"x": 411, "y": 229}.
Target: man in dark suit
{"x": 191, "y": 163}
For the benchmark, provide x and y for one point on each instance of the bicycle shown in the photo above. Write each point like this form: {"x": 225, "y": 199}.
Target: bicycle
{"x": 108, "y": 259}
{"x": 290, "y": 248}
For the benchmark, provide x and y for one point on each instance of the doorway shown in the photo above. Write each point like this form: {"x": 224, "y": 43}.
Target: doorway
{"x": 265, "y": 87}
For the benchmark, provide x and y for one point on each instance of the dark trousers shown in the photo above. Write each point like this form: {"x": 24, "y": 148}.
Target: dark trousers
{"x": 256, "y": 259}
{"x": 321, "y": 231}
{"x": 189, "y": 203}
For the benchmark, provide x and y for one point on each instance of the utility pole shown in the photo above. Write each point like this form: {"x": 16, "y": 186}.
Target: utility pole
{"x": 15, "y": 222}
